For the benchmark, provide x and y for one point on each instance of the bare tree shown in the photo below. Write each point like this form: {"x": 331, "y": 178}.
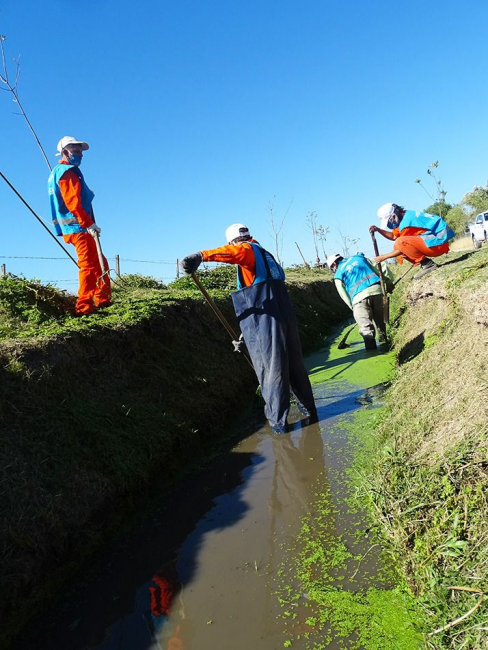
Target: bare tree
{"x": 322, "y": 237}
{"x": 319, "y": 234}
{"x": 12, "y": 88}
{"x": 347, "y": 242}
{"x": 440, "y": 199}
{"x": 277, "y": 227}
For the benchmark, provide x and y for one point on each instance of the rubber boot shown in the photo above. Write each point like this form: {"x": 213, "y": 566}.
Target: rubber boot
{"x": 369, "y": 343}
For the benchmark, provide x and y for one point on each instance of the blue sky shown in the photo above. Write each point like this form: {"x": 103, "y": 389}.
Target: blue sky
{"x": 202, "y": 114}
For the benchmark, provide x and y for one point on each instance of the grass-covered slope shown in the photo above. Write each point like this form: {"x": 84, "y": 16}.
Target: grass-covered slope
{"x": 92, "y": 409}
{"x": 428, "y": 483}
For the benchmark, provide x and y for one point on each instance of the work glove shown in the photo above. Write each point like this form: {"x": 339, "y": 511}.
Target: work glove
{"x": 94, "y": 229}
{"x": 190, "y": 263}
{"x": 239, "y": 345}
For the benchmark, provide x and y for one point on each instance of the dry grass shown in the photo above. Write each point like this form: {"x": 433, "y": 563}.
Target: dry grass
{"x": 430, "y": 486}
{"x": 443, "y": 384}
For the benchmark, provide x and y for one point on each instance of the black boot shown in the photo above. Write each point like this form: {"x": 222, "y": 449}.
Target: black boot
{"x": 369, "y": 342}
{"x": 426, "y": 266}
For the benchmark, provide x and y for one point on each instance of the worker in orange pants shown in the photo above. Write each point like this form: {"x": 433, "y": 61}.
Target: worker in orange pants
{"x": 71, "y": 209}
{"x": 94, "y": 287}
{"x": 415, "y": 250}
{"x": 418, "y": 236}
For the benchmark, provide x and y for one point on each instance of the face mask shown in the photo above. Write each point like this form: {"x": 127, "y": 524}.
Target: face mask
{"x": 393, "y": 221}
{"x": 74, "y": 160}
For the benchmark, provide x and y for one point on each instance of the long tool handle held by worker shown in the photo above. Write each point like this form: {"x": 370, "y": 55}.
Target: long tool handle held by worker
{"x": 402, "y": 276}
{"x": 37, "y": 217}
{"x": 218, "y": 313}
{"x": 342, "y": 343}
{"x": 100, "y": 254}
{"x": 105, "y": 269}
{"x": 386, "y": 302}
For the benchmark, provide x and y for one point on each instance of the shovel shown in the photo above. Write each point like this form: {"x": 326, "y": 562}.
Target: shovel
{"x": 342, "y": 343}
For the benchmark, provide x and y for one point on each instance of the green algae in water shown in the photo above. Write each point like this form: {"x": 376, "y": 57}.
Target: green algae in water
{"x": 375, "y": 620}
{"x": 354, "y": 364}
{"x": 378, "y": 617}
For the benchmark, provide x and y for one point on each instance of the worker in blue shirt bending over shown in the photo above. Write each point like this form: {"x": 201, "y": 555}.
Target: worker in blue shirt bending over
{"x": 358, "y": 284}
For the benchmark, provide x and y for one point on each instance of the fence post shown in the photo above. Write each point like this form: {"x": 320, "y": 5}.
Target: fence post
{"x": 177, "y": 268}
{"x": 117, "y": 264}
{"x": 3, "y": 270}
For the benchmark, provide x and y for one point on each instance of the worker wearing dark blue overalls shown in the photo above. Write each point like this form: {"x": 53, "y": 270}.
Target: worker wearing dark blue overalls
{"x": 267, "y": 321}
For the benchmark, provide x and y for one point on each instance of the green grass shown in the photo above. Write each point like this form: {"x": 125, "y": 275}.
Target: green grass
{"x": 428, "y": 485}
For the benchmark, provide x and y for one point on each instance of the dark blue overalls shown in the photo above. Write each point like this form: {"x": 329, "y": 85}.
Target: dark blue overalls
{"x": 267, "y": 321}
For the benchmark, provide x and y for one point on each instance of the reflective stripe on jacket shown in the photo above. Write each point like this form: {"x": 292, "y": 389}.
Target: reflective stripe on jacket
{"x": 65, "y": 222}
{"x": 437, "y": 230}
{"x": 356, "y": 274}
{"x": 267, "y": 268}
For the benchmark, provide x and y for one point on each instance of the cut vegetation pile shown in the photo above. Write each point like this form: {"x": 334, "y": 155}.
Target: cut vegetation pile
{"x": 95, "y": 410}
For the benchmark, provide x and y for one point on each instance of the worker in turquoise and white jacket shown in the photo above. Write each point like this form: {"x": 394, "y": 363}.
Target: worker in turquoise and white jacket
{"x": 418, "y": 236}
{"x": 358, "y": 284}
{"x": 71, "y": 200}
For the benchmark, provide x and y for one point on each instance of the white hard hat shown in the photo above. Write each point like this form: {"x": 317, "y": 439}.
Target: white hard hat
{"x": 385, "y": 213}
{"x": 68, "y": 139}
{"x": 332, "y": 259}
{"x": 236, "y": 230}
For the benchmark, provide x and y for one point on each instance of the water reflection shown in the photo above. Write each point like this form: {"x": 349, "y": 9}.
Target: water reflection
{"x": 232, "y": 594}
{"x": 204, "y": 568}
{"x": 154, "y": 603}
{"x": 129, "y": 596}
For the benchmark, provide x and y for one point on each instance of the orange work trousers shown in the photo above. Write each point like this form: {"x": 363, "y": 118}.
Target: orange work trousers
{"x": 94, "y": 290}
{"x": 415, "y": 250}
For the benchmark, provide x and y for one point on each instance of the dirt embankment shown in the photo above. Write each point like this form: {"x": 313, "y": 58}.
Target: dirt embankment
{"x": 96, "y": 413}
{"x": 430, "y": 478}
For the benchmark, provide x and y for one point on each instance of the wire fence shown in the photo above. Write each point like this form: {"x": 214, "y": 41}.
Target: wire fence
{"x": 117, "y": 260}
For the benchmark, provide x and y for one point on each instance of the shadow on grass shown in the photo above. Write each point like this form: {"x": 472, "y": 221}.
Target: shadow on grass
{"x": 462, "y": 258}
{"x": 411, "y": 349}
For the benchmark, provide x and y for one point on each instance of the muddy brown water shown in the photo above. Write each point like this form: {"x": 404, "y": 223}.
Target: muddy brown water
{"x": 203, "y": 570}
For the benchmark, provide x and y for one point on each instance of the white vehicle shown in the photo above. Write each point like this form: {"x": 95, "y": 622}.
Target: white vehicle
{"x": 479, "y": 229}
